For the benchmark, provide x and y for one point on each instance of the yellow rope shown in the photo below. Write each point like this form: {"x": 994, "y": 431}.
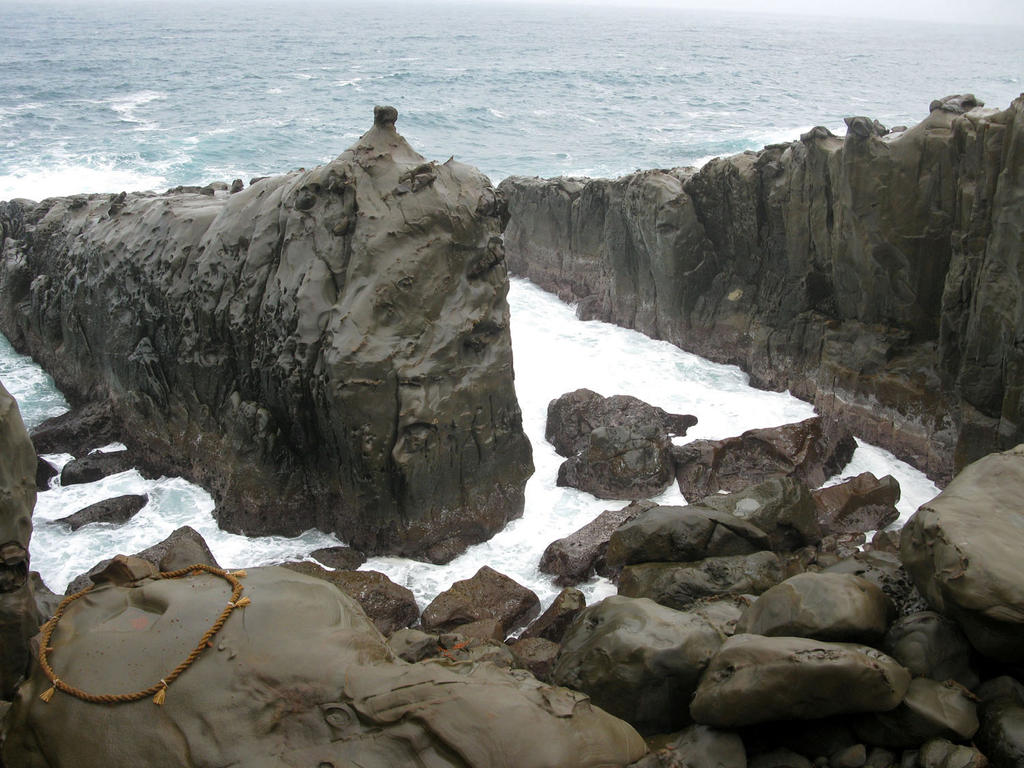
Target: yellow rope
{"x": 158, "y": 690}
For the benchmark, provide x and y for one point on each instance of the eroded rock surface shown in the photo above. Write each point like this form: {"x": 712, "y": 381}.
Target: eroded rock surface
{"x": 328, "y": 348}
{"x": 874, "y": 275}
{"x": 300, "y": 679}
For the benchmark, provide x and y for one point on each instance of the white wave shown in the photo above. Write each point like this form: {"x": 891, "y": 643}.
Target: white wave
{"x": 274, "y": 91}
{"x": 353, "y": 82}
{"x": 125, "y": 107}
{"x": 69, "y": 178}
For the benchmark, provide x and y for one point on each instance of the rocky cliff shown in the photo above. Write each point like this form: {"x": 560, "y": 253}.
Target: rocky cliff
{"x": 877, "y": 275}
{"x": 326, "y": 348}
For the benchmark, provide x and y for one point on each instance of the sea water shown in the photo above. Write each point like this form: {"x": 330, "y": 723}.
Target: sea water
{"x": 111, "y": 95}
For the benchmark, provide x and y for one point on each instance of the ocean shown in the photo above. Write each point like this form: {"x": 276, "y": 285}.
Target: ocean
{"x": 108, "y": 96}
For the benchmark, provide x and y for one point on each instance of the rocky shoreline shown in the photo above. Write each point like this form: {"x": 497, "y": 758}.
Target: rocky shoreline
{"x": 757, "y": 626}
{"x": 875, "y": 275}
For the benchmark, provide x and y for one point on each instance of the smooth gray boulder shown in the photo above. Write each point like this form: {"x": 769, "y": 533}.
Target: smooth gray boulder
{"x": 885, "y": 570}
{"x": 963, "y": 551}
{"x": 682, "y": 534}
{"x": 755, "y": 679}
{"x": 328, "y": 348}
{"x": 929, "y": 710}
{"x": 930, "y": 645}
{"x": 827, "y": 606}
{"x": 1001, "y": 737}
{"x": 300, "y": 677}
{"x": 942, "y": 753}
{"x": 637, "y": 660}
{"x": 19, "y": 616}
{"x": 782, "y": 507}
{"x": 679, "y": 585}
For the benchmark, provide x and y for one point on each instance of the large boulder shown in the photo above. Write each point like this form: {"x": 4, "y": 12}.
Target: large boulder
{"x": 78, "y": 431}
{"x": 679, "y": 585}
{"x": 930, "y": 645}
{"x": 638, "y": 660}
{"x": 826, "y": 606}
{"x": 697, "y": 746}
{"x": 301, "y": 678}
{"x": 553, "y": 623}
{"x": 328, "y": 348}
{"x": 885, "y": 570}
{"x": 485, "y": 595}
{"x": 574, "y": 558}
{"x": 810, "y": 451}
{"x": 573, "y": 416}
{"x": 627, "y": 462}
{"x": 963, "y": 551}
{"x": 755, "y": 679}
{"x": 862, "y": 503}
{"x": 96, "y": 466}
{"x": 19, "y": 617}
{"x": 782, "y": 507}
{"x": 1001, "y": 737}
{"x": 682, "y": 534}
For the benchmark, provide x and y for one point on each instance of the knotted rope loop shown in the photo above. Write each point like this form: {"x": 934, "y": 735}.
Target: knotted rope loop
{"x": 158, "y": 690}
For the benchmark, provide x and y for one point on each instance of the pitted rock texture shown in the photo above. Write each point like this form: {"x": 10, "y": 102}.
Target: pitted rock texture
{"x": 328, "y": 348}
{"x": 875, "y": 276}
{"x": 300, "y": 679}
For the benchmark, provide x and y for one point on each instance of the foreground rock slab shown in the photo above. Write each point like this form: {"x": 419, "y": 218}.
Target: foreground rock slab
{"x": 328, "y": 348}
{"x": 963, "y": 551}
{"x": 756, "y": 679}
{"x": 302, "y": 678}
{"x": 19, "y": 619}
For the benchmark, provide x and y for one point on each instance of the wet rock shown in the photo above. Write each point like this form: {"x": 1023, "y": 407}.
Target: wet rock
{"x": 885, "y": 570}
{"x": 929, "y": 710}
{"x": 627, "y": 462}
{"x": 697, "y": 746}
{"x": 237, "y": 185}
{"x": 486, "y": 595}
{"x": 46, "y": 600}
{"x": 348, "y": 701}
{"x": 339, "y": 558}
{"x": 863, "y": 503}
{"x": 536, "y": 655}
{"x": 637, "y": 660}
{"x": 826, "y": 606}
{"x": 930, "y": 645}
{"x": 312, "y": 350}
{"x": 755, "y": 679}
{"x": 117, "y": 510}
{"x": 1001, "y": 737}
{"x": 958, "y": 104}
{"x": 885, "y": 541}
{"x": 849, "y": 271}
{"x": 855, "y": 756}
{"x": 184, "y": 547}
{"x": 962, "y": 550}
{"x": 78, "y": 431}
{"x": 573, "y": 559}
{"x": 45, "y": 472}
{"x": 779, "y": 758}
{"x": 806, "y": 451}
{"x": 552, "y": 624}
{"x": 389, "y": 606}
{"x": 96, "y": 466}
{"x": 781, "y": 507}
{"x": 682, "y": 534}
{"x": 678, "y": 585}
{"x": 19, "y": 617}
{"x": 573, "y": 416}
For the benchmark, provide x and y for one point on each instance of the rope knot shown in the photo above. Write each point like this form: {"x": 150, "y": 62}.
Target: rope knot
{"x": 161, "y": 695}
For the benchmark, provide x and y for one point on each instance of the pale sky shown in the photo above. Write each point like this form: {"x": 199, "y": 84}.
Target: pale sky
{"x": 977, "y": 11}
